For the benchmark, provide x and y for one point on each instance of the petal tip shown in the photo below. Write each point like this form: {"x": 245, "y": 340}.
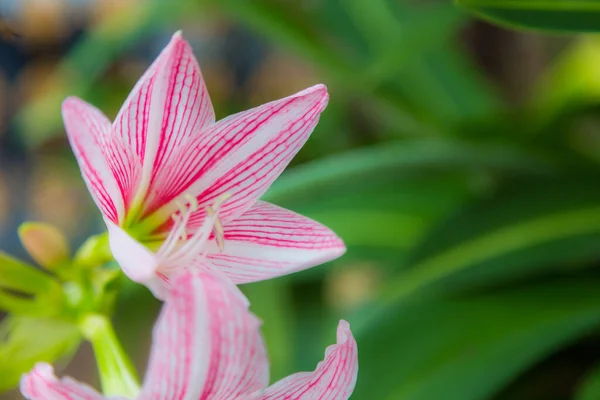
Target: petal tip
{"x": 319, "y": 92}
{"x": 41, "y": 371}
{"x": 343, "y": 331}
{"x": 71, "y": 102}
{"x": 340, "y": 245}
{"x": 177, "y": 40}
{"x": 336, "y": 249}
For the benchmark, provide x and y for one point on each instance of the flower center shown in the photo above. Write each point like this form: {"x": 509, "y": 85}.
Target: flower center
{"x": 180, "y": 248}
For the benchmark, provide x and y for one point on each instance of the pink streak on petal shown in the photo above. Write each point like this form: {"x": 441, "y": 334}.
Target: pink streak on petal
{"x": 167, "y": 106}
{"x": 88, "y": 131}
{"x": 41, "y": 384}
{"x": 333, "y": 379}
{"x": 269, "y": 241}
{"x": 244, "y": 153}
{"x": 207, "y": 345}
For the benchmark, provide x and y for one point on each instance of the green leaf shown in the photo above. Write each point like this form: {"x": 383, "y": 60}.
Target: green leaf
{"x": 287, "y": 25}
{"x": 552, "y": 15}
{"x": 526, "y": 228}
{"x": 408, "y": 155}
{"x": 467, "y": 348}
{"x": 19, "y": 276}
{"x": 571, "y": 80}
{"x": 25, "y": 341}
{"x": 590, "y": 388}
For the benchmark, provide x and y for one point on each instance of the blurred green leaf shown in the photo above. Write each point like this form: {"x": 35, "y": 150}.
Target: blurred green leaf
{"x": 525, "y": 228}
{"x": 296, "y": 29}
{"x": 571, "y": 80}
{"x": 468, "y": 348}
{"x": 377, "y": 23}
{"x": 446, "y": 87}
{"x": 25, "y": 341}
{"x": 408, "y": 155}
{"x": 372, "y": 228}
{"x": 20, "y": 276}
{"x": 24, "y": 306}
{"x": 590, "y": 388}
{"x": 552, "y": 15}
{"x": 397, "y": 42}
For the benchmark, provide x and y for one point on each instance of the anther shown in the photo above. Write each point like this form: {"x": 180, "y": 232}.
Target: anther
{"x": 192, "y": 202}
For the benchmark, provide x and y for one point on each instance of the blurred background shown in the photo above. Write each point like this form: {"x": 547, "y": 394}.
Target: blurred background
{"x": 459, "y": 161}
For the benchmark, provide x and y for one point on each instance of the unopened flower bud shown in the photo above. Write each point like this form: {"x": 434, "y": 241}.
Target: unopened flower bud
{"x": 46, "y": 244}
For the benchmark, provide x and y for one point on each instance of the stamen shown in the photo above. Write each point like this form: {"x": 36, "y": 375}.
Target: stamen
{"x": 222, "y": 198}
{"x": 178, "y": 247}
{"x": 192, "y": 202}
{"x": 218, "y": 226}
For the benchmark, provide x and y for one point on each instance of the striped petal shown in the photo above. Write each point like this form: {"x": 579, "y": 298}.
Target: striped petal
{"x": 269, "y": 241}
{"x": 88, "y": 131}
{"x": 41, "y": 384}
{"x": 244, "y": 153}
{"x": 334, "y": 378}
{"x": 207, "y": 345}
{"x": 168, "y": 105}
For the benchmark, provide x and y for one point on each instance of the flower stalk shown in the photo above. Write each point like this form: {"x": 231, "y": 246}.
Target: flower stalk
{"x": 117, "y": 374}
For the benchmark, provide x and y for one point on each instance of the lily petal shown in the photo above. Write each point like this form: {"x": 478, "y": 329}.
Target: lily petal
{"x": 243, "y": 154}
{"x": 89, "y": 134}
{"x": 166, "y": 107}
{"x": 41, "y": 384}
{"x": 207, "y": 345}
{"x": 269, "y": 241}
{"x": 137, "y": 262}
{"x": 334, "y": 378}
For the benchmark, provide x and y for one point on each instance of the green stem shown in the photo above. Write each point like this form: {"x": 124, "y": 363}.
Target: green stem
{"x": 117, "y": 374}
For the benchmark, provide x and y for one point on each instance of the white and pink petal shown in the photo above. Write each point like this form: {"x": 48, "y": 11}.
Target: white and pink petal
{"x": 42, "y": 384}
{"x": 333, "y": 379}
{"x": 243, "y": 154}
{"x": 88, "y": 131}
{"x": 268, "y": 241}
{"x": 207, "y": 345}
{"x": 168, "y": 105}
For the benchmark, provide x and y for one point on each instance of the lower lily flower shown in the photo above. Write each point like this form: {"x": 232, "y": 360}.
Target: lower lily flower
{"x": 208, "y": 346}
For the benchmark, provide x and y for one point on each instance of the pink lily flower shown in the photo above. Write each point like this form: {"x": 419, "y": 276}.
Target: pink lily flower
{"x": 165, "y": 158}
{"x": 207, "y": 345}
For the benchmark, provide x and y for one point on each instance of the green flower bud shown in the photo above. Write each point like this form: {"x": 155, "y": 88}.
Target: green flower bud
{"x": 46, "y": 244}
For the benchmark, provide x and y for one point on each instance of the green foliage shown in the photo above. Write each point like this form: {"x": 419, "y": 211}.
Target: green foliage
{"x": 21, "y": 345}
{"x": 26, "y": 290}
{"x": 468, "y": 347}
{"x": 524, "y": 228}
{"x": 590, "y": 388}
{"x": 552, "y": 15}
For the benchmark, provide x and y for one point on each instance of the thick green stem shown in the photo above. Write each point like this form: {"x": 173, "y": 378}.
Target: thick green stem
{"x": 117, "y": 374}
